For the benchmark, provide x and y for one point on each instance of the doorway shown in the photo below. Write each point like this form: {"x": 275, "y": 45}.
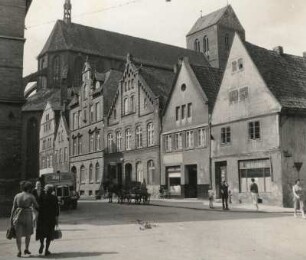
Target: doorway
{"x": 128, "y": 173}
{"x": 191, "y": 179}
{"x": 220, "y": 175}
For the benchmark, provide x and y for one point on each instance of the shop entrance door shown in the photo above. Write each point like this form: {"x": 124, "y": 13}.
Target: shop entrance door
{"x": 220, "y": 175}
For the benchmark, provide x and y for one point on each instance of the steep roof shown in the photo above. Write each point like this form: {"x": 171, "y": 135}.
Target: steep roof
{"x": 159, "y": 81}
{"x": 210, "y": 80}
{"x": 285, "y": 75}
{"x": 110, "y": 86}
{"x": 208, "y": 20}
{"x": 100, "y": 42}
{"x": 38, "y": 101}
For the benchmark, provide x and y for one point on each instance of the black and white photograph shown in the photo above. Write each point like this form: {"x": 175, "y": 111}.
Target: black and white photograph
{"x": 153, "y": 129}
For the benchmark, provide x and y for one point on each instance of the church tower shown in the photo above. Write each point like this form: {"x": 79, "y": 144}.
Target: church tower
{"x": 213, "y": 35}
{"x": 67, "y": 11}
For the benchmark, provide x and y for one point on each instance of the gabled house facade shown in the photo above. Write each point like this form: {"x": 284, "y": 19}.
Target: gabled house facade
{"x": 48, "y": 126}
{"x": 185, "y": 137}
{"x": 87, "y": 110}
{"x": 259, "y": 123}
{"x": 132, "y": 143}
{"x": 61, "y": 146}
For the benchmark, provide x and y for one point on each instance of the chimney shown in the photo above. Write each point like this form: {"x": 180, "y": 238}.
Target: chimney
{"x": 279, "y": 50}
{"x": 304, "y": 54}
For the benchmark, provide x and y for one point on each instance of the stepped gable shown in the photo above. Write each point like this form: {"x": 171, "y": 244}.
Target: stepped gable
{"x": 284, "y": 74}
{"x": 80, "y": 38}
{"x": 38, "y": 101}
{"x": 210, "y": 80}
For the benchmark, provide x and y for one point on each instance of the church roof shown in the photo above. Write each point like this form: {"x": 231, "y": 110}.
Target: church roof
{"x": 210, "y": 80}
{"x": 208, "y": 20}
{"x": 284, "y": 74}
{"x": 93, "y": 41}
{"x": 38, "y": 101}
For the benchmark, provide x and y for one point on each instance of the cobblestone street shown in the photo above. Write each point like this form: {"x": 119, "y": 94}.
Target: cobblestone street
{"x": 98, "y": 230}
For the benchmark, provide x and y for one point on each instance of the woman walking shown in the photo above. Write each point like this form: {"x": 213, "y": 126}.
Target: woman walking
{"x": 47, "y": 218}
{"x": 22, "y": 216}
{"x": 298, "y": 197}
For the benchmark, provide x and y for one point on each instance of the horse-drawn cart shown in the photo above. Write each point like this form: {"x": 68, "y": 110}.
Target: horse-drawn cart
{"x": 133, "y": 192}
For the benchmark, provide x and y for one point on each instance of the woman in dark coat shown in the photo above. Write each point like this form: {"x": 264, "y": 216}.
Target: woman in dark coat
{"x": 47, "y": 219}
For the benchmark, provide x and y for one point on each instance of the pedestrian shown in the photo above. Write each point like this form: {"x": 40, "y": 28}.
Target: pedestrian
{"x": 37, "y": 192}
{"x": 47, "y": 219}
{"x": 254, "y": 193}
{"x": 211, "y": 195}
{"x": 298, "y": 198}
{"x": 22, "y": 216}
{"x": 224, "y": 195}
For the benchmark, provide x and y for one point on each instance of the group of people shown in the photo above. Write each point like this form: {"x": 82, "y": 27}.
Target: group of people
{"x": 226, "y": 195}
{"x": 41, "y": 203}
{"x": 297, "y": 190}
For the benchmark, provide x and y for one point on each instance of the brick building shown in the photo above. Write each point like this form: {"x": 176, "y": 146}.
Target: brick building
{"x": 185, "y": 137}
{"x": 132, "y": 135}
{"x": 60, "y": 65}
{"x": 47, "y": 134}
{"x": 87, "y": 110}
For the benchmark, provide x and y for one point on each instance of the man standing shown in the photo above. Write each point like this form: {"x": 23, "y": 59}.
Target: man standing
{"x": 254, "y": 192}
{"x": 224, "y": 195}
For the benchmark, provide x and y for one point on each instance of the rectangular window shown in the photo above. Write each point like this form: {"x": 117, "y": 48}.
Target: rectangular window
{"x": 233, "y": 96}
{"x": 177, "y": 113}
{"x": 97, "y": 111}
{"x": 254, "y": 130}
{"x": 202, "y": 137}
{"x": 243, "y": 93}
{"x": 178, "y": 141}
{"x": 79, "y": 118}
{"x": 260, "y": 170}
{"x": 189, "y": 139}
{"x": 225, "y": 135}
{"x": 66, "y": 154}
{"x": 189, "y": 110}
{"x": 183, "y": 112}
{"x": 168, "y": 143}
{"x": 75, "y": 121}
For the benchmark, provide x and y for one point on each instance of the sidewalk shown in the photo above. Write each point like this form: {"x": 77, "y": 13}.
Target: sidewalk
{"x": 204, "y": 205}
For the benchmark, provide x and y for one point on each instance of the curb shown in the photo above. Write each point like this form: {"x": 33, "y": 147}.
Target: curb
{"x": 234, "y": 210}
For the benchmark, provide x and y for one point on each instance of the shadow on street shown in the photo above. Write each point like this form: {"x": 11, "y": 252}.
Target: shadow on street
{"x": 74, "y": 255}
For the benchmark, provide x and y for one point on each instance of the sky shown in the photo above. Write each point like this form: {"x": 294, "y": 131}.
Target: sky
{"x": 268, "y": 23}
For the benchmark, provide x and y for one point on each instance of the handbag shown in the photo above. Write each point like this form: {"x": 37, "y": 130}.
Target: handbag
{"x": 11, "y": 233}
{"x": 57, "y": 233}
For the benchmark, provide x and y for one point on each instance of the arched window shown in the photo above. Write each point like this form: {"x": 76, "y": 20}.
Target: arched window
{"x": 97, "y": 173}
{"x": 91, "y": 180}
{"x": 78, "y": 67}
{"x": 98, "y": 142}
{"x": 91, "y": 142}
{"x": 110, "y": 142}
{"x": 150, "y": 134}
{"x": 128, "y": 137}
{"x": 82, "y": 174}
{"x": 132, "y": 104}
{"x": 197, "y": 45}
{"x": 56, "y": 70}
{"x": 205, "y": 45}
{"x": 139, "y": 172}
{"x": 226, "y": 42}
{"x": 85, "y": 91}
{"x": 126, "y": 106}
{"x": 151, "y": 172}
{"x": 138, "y": 137}
{"x": 118, "y": 141}
{"x": 80, "y": 145}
